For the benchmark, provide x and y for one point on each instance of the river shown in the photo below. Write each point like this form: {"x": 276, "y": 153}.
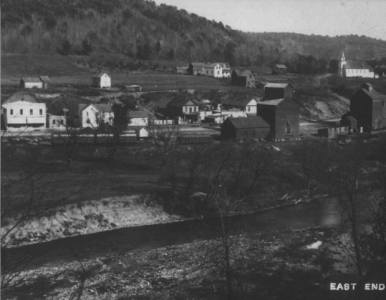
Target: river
{"x": 320, "y": 212}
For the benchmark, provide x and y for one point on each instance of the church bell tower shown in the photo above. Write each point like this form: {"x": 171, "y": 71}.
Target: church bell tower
{"x": 342, "y": 65}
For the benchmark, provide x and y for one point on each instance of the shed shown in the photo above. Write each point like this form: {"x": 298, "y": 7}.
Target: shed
{"x": 279, "y": 69}
{"x": 349, "y": 121}
{"x": 278, "y": 91}
{"x": 244, "y": 128}
{"x": 46, "y": 81}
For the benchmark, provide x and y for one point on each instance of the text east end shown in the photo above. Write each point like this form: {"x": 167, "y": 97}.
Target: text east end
{"x": 352, "y": 286}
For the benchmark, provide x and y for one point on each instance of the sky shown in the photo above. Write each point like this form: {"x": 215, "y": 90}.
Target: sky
{"x": 319, "y": 17}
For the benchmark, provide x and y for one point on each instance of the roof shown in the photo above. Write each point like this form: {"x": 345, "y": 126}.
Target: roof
{"x": 247, "y": 122}
{"x": 31, "y": 79}
{"x": 374, "y": 95}
{"x": 45, "y": 78}
{"x": 351, "y": 118}
{"x": 198, "y": 64}
{"x": 181, "y": 100}
{"x": 277, "y": 85}
{"x": 102, "y": 107}
{"x": 99, "y": 75}
{"x": 242, "y": 101}
{"x": 281, "y": 66}
{"x": 224, "y": 65}
{"x": 358, "y": 65}
{"x": 20, "y": 97}
{"x": 243, "y": 73}
{"x": 271, "y": 102}
{"x": 138, "y": 114}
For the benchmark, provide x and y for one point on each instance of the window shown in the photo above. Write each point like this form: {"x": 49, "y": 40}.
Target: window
{"x": 190, "y": 109}
{"x": 53, "y": 122}
{"x": 249, "y": 108}
{"x": 21, "y": 112}
{"x": 62, "y": 122}
{"x": 40, "y": 111}
{"x": 11, "y": 111}
{"x": 31, "y": 112}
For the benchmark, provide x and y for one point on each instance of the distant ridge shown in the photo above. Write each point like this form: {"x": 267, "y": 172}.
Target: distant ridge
{"x": 143, "y": 30}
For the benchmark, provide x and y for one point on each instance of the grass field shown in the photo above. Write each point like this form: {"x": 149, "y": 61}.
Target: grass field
{"x": 63, "y": 72}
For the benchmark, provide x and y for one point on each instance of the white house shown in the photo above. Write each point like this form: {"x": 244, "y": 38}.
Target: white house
{"x": 92, "y": 115}
{"x": 101, "y": 80}
{"x": 31, "y": 82}
{"x": 355, "y": 68}
{"x": 56, "y": 122}
{"x": 22, "y": 112}
{"x": 248, "y": 105}
{"x": 217, "y": 70}
{"x": 138, "y": 118}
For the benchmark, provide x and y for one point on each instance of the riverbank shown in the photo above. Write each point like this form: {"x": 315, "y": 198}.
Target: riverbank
{"x": 93, "y": 216}
{"x": 272, "y": 264}
{"x": 89, "y": 217}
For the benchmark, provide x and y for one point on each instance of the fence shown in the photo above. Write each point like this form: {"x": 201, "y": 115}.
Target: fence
{"x": 160, "y": 122}
{"x": 195, "y": 139}
{"x": 92, "y": 140}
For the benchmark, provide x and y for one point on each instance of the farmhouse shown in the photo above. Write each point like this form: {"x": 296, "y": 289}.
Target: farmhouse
{"x": 22, "y": 112}
{"x": 282, "y": 115}
{"x": 101, "y": 80}
{"x": 185, "y": 107}
{"x": 247, "y": 104}
{"x": 277, "y": 91}
{"x": 244, "y": 128}
{"x": 30, "y": 83}
{"x": 216, "y": 69}
{"x": 279, "y": 69}
{"x": 243, "y": 78}
{"x": 94, "y": 115}
{"x": 355, "y": 68}
{"x": 138, "y": 118}
{"x": 368, "y": 107}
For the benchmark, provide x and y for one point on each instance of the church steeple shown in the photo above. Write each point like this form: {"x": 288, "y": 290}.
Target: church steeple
{"x": 343, "y": 58}
{"x": 342, "y": 65}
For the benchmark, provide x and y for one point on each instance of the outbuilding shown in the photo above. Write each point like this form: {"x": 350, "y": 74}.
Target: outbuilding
{"x": 101, "y": 80}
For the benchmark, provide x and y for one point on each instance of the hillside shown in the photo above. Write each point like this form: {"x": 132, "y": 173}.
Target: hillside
{"x": 140, "y": 29}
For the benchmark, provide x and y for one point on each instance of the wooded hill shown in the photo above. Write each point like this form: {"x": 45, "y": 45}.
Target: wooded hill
{"x": 143, "y": 30}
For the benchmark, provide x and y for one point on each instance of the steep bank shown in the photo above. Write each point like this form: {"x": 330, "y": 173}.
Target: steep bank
{"x": 89, "y": 217}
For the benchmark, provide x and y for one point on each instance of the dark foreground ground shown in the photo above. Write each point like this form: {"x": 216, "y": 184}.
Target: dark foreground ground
{"x": 270, "y": 265}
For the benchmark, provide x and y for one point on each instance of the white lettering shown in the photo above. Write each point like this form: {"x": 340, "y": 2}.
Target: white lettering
{"x": 333, "y": 286}
{"x": 367, "y": 286}
{"x": 339, "y": 287}
{"x": 381, "y": 286}
{"x": 353, "y": 285}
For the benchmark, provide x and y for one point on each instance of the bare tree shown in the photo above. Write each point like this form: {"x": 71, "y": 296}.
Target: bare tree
{"x": 29, "y": 193}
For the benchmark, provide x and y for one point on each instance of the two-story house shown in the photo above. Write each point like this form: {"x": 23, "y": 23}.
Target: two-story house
{"x": 94, "y": 115}
{"x": 183, "y": 107}
{"x": 22, "y": 112}
{"x": 217, "y": 69}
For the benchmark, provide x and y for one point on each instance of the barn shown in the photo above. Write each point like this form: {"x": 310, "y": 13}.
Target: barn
{"x": 244, "y": 128}
{"x": 279, "y": 69}
{"x": 278, "y": 91}
{"x": 244, "y": 78}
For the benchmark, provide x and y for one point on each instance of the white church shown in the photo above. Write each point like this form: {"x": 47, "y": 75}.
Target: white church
{"x": 355, "y": 68}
